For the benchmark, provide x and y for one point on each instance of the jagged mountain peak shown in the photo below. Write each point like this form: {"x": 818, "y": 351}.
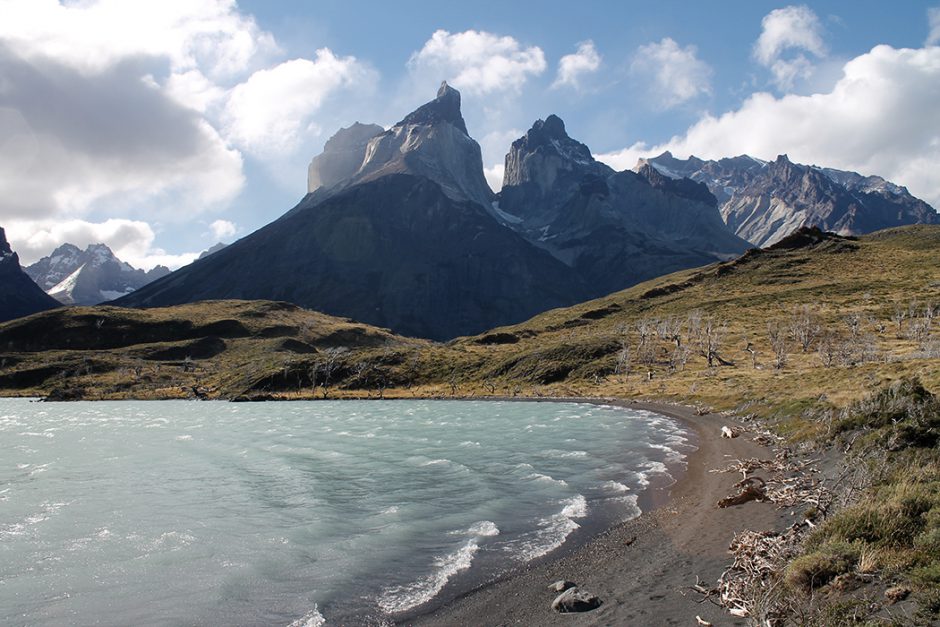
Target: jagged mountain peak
{"x": 444, "y": 108}
{"x": 764, "y": 201}
{"x": 88, "y": 277}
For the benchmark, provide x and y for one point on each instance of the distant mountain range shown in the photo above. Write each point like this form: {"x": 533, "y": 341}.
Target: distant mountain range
{"x": 402, "y": 231}
{"x": 19, "y": 295}
{"x": 87, "y": 277}
{"x": 764, "y": 201}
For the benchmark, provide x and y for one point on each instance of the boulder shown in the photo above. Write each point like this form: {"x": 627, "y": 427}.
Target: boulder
{"x": 575, "y": 600}
{"x": 561, "y": 585}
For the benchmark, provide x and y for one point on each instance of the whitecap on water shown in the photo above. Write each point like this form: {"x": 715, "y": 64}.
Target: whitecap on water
{"x": 397, "y": 599}
{"x": 313, "y": 618}
{"x": 552, "y": 531}
{"x": 615, "y": 486}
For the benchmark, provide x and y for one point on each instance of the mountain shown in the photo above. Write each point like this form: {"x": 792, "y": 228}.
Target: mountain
{"x": 614, "y": 228}
{"x": 19, "y": 295}
{"x": 212, "y": 249}
{"x": 431, "y": 142}
{"x": 342, "y": 156}
{"x": 408, "y": 241}
{"x": 763, "y": 201}
{"x": 87, "y": 277}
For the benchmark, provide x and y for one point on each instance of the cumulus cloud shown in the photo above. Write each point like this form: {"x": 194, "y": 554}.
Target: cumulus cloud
{"x": 131, "y": 240}
{"x": 478, "y": 62}
{"x": 787, "y": 36}
{"x": 879, "y": 118}
{"x": 146, "y": 110}
{"x": 222, "y": 229}
{"x": 933, "y": 20}
{"x": 83, "y": 139}
{"x": 675, "y": 74}
{"x": 266, "y": 113}
{"x": 572, "y": 67}
{"x": 95, "y": 35}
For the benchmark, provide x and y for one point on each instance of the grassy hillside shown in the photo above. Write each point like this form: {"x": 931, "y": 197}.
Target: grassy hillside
{"x": 815, "y": 320}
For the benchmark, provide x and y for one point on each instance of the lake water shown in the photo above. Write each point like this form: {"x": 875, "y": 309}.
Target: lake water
{"x": 302, "y": 513}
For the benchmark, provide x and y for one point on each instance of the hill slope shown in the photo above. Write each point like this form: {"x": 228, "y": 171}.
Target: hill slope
{"x": 864, "y": 309}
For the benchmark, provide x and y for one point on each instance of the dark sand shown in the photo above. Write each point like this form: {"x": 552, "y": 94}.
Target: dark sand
{"x": 643, "y": 569}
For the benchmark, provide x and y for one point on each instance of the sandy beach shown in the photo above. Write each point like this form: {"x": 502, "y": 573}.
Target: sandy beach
{"x": 642, "y": 570}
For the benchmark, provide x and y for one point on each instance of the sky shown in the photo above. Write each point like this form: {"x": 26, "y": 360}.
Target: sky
{"x": 162, "y": 127}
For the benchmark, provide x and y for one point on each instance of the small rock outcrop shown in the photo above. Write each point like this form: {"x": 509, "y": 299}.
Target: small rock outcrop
{"x": 575, "y": 600}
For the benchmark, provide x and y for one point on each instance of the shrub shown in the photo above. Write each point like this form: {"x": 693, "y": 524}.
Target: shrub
{"x": 816, "y": 569}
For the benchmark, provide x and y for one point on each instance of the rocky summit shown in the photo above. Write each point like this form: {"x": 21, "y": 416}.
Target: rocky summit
{"x": 614, "y": 228}
{"x": 764, "y": 201}
{"x": 407, "y": 242}
{"x": 402, "y": 231}
{"x": 19, "y": 295}
{"x": 87, "y": 277}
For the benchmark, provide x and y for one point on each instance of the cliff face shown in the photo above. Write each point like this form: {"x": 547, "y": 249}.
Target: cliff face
{"x": 615, "y": 229}
{"x": 19, "y": 295}
{"x": 342, "y": 156}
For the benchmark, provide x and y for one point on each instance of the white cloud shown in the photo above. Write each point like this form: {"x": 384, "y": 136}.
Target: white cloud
{"x": 572, "y": 67}
{"x": 478, "y": 62}
{"x": 131, "y": 240}
{"x": 267, "y": 113}
{"x": 494, "y": 176}
{"x": 92, "y": 140}
{"x": 676, "y": 74}
{"x": 223, "y": 229}
{"x": 879, "y": 118}
{"x": 95, "y": 35}
{"x": 786, "y": 35}
{"x": 933, "y": 19}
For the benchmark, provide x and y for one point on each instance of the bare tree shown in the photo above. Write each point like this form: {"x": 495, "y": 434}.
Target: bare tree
{"x": 805, "y": 326}
{"x": 707, "y": 335}
{"x": 898, "y": 318}
{"x": 323, "y": 368}
{"x": 779, "y": 342}
{"x": 624, "y": 355}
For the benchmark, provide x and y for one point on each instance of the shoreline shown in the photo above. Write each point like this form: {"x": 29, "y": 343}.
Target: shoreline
{"x": 641, "y": 569}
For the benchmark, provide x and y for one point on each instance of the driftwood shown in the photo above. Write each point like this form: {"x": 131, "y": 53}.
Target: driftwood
{"x": 751, "y": 489}
{"x": 747, "y": 588}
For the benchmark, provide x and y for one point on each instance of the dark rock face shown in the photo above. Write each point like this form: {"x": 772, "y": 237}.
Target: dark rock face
{"x": 19, "y": 295}
{"x": 76, "y": 277}
{"x": 763, "y": 202}
{"x": 395, "y": 252}
{"x": 615, "y": 229}
{"x": 342, "y": 155}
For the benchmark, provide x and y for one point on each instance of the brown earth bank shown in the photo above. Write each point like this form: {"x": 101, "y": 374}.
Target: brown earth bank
{"x": 642, "y": 570}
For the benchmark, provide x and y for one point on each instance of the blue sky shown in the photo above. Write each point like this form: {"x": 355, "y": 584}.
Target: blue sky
{"x": 162, "y": 127}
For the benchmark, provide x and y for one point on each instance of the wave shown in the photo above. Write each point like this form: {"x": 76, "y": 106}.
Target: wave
{"x": 615, "y": 486}
{"x": 552, "y": 531}
{"x": 313, "y": 618}
{"x": 484, "y": 529}
{"x": 401, "y": 598}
